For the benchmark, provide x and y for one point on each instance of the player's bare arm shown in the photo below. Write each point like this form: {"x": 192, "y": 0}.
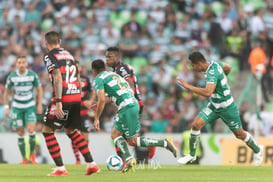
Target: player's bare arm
{"x": 226, "y": 68}
{"x": 57, "y": 81}
{"x": 100, "y": 107}
{"x": 210, "y": 87}
{"x": 6, "y": 94}
{"x": 39, "y": 100}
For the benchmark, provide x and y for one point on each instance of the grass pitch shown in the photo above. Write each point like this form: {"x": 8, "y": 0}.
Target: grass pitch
{"x": 162, "y": 173}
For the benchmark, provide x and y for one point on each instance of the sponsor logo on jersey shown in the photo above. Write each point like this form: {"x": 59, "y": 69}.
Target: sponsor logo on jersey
{"x": 64, "y": 56}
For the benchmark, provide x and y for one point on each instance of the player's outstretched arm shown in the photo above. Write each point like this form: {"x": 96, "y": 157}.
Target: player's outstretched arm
{"x": 210, "y": 87}
{"x": 226, "y": 68}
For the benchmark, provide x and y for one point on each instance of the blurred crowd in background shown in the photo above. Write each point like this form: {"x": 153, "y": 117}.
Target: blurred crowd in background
{"x": 154, "y": 36}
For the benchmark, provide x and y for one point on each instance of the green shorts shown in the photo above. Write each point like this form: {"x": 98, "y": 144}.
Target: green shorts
{"x": 230, "y": 116}
{"x": 21, "y": 117}
{"x": 127, "y": 121}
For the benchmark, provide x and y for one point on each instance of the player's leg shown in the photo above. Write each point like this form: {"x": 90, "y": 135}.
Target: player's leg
{"x": 76, "y": 153}
{"x": 131, "y": 122}
{"x": 206, "y": 115}
{"x": 18, "y": 123}
{"x": 77, "y": 138}
{"x": 21, "y": 144}
{"x": 50, "y": 124}
{"x": 232, "y": 118}
{"x": 121, "y": 144}
{"x": 30, "y": 118}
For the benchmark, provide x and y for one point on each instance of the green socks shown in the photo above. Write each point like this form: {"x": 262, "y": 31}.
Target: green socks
{"x": 149, "y": 142}
{"x": 251, "y": 143}
{"x": 32, "y": 142}
{"x": 121, "y": 143}
{"x": 194, "y": 139}
{"x": 22, "y": 146}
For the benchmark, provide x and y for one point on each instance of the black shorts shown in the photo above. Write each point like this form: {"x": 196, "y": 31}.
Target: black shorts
{"x": 85, "y": 124}
{"x": 71, "y": 119}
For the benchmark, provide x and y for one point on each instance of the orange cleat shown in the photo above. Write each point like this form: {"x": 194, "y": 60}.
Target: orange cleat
{"x": 33, "y": 159}
{"x": 78, "y": 163}
{"x": 91, "y": 170}
{"x": 57, "y": 172}
{"x": 24, "y": 161}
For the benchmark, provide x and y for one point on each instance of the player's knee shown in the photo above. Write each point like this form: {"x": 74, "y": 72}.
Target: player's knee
{"x": 240, "y": 134}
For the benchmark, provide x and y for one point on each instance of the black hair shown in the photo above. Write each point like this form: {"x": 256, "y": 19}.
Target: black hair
{"x": 196, "y": 57}
{"x": 113, "y": 49}
{"x": 52, "y": 37}
{"x": 98, "y": 65}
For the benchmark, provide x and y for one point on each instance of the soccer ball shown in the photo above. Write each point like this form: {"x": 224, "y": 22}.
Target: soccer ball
{"x": 114, "y": 163}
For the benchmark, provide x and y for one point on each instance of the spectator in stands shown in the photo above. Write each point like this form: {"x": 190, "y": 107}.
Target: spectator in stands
{"x": 128, "y": 44}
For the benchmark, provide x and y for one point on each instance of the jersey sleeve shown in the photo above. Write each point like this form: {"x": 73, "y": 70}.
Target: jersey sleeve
{"x": 221, "y": 64}
{"x": 8, "y": 83}
{"x": 37, "y": 82}
{"x": 126, "y": 72}
{"x": 98, "y": 85}
{"x": 212, "y": 75}
{"x": 51, "y": 63}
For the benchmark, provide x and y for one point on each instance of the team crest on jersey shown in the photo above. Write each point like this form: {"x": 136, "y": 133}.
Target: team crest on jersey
{"x": 123, "y": 71}
{"x": 211, "y": 72}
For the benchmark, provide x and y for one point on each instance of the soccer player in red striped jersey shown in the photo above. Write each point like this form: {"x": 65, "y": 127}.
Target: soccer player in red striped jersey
{"x": 64, "y": 108}
{"x": 88, "y": 96}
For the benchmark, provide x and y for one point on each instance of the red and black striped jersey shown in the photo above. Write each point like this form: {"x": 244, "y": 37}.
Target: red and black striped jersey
{"x": 61, "y": 59}
{"x": 126, "y": 71}
{"x": 86, "y": 91}
{"x": 86, "y": 87}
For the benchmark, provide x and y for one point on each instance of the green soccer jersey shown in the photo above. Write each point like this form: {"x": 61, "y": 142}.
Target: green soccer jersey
{"x": 221, "y": 98}
{"x": 116, "y": 88}
{"x": 22, "y": 86}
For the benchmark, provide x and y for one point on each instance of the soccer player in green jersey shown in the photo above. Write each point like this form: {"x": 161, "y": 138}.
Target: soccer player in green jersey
{"x": 21, "y": 84}
{"x": 111, "y": 87}
{"x": 221, "y": 105}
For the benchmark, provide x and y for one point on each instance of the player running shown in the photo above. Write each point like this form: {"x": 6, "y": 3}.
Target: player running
{"x": 119, "y": 92}
{"x": 21, "y": 83}
{"x": 64, "y": 108}
{"x": 221, "y": 105}
{"x": 127, "y": 72}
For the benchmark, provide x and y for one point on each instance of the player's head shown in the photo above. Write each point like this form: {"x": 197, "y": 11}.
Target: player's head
{"x": 21, "y": 63}
{"x": 197, "y": 61}
{"x": 112, "y": 56}
{"x": 98, "y": 66}
{"x": 78, "y": 65}
{"x": 52, "y": 40}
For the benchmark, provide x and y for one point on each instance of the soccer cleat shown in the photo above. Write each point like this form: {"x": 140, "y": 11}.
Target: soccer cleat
{"x": 129, "y": 164}
{"x": 91, "y": 170}
{"x": 186, "y": 159}
{"x": 57, "y": 172}
{"x": 78, "y": 163}
{"x": 24, "y": 161}
{"x": 170, "y": 146}
{"x": 33, "y": 159}
{"x": 258, "y": 157}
